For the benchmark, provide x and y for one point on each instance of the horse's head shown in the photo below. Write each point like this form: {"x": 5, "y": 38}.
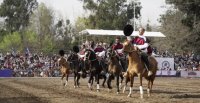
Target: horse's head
{"x": 128, "y": 47}
{"x": 111, "y": 53}
{"x": 72, "y": 57}
{"x": 90, "y": 55}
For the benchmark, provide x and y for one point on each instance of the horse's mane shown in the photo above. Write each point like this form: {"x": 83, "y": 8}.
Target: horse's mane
{"x": 92, "y": 53}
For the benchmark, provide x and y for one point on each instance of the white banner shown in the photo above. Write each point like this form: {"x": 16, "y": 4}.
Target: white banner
{"x": 165, "y": 63}
{"x": 166, "y": 73}
{"x": 190, "y": 73}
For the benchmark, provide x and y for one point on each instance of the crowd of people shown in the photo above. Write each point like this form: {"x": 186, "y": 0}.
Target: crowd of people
{"x": 41, "y": 65}
{"x": 37, "y": 65}
{"x": 184, "y": 61}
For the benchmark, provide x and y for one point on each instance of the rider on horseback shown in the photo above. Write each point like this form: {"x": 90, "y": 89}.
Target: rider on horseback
{"x": 141, "y": 42}
{"x": 117, "y": 47}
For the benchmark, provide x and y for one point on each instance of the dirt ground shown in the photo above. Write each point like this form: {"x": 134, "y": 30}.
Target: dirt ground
{"x": 50, "y": 90}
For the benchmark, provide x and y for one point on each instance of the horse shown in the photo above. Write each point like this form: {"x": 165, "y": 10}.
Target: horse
{"x": 95, "y": 68}
{"x": 136, "y": 67}
{"x": 64, "y": 67}
{"x": 114, "y": 69}
{"x": 73, "y": 59}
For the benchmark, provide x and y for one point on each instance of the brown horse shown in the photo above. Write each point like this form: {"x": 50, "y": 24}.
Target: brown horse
{"x": 64, "y": 67}
{"x": 136, "y": 67}
{"x": 114, "y": 69}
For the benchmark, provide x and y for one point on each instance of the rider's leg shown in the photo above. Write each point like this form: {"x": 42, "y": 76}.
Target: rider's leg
{"x": 144, "y": 57}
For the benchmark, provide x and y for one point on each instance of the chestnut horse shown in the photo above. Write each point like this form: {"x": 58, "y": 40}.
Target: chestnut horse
{"x": 136, "y": 67}
{"x": 64, "y": 67}
{"x": 114, "y": 69}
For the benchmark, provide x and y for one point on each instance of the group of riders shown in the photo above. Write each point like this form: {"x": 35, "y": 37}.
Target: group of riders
{"x": 139, "y": 41}
{"x": 132, "y": 58}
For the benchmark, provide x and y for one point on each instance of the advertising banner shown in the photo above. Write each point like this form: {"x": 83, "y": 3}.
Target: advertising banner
{"x": 165, "y": 63}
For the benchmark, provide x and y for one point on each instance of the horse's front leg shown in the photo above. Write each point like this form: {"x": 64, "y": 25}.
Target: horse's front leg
{"x": 104, "y": 80}
{"x": 97, "y": 77}
{"x": 117, "y": 83}
{"x": 141, "y": 88}
{"x": 131, "y": 85}
{"x": 120, "y": 84}
{"x": 66, "y": 82}
{"x": 89, "y": 81}
{"x": 109, "y": 82}
{"x": 63, "y": 75}
{"x": 75, "y": 76}
{"x": 77, "y": 80}
{"x": 126, "y": 82}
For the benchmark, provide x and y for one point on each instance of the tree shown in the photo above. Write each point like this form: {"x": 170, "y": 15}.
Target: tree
{"x": 148, "y": 27}
{"x": 11, "y": 41}
{"x": 191, "y": 18}
{"x": 17, "y": 13}
{"x": 42, "y": 23}
{"x": 175, "y": 31}
{"x": 110, "y": 14}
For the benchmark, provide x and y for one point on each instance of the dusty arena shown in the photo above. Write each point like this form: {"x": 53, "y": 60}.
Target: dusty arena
{"x": 50, "y": 90}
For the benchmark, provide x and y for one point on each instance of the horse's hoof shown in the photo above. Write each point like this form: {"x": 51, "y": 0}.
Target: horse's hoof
{"x": 141, "y": 96}
{"x": 117, "y": 93}
{"x": 129, "y": 95}
{"x": 123, "y": 91}
{"x": 74, "y": 86}
{"x": 148, "y": 94}
{"x": 109, "y": 90}
{"x": 98, "y": 90}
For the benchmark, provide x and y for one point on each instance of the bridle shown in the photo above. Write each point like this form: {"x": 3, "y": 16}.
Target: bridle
{"x": 88, "y": 57}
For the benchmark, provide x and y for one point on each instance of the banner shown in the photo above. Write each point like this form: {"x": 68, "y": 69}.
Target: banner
{"x": 165, "y": 63}
{"x": 166, "y": 73}
{"x": 6, "y": 73}
{"x": 190, "y": 73}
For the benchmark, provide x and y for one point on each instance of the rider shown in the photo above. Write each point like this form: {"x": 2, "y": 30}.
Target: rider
{"x": 99, "y": 50}
{"x": 142, "y": 43}
{"x": 117, "y": 47}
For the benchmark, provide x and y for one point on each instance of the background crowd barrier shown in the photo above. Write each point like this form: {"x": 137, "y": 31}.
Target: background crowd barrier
{"x": 190, "y": 73}
{"x": 6, "y": 73}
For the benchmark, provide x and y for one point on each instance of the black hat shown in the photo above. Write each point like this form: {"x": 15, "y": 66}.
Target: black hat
{"x": 61, "y": 52}
{"x": 76, "y": 49}
{"x": 128, "y": 30}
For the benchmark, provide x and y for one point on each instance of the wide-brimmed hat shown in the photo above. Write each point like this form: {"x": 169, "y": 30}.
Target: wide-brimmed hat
{"x": 128, "y": 30}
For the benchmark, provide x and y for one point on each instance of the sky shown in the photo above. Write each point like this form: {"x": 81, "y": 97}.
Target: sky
{"x": 71, "y": 9}
{"x": 151, "y": 9}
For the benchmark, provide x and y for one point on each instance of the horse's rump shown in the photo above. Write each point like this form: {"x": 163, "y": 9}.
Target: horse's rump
{"x": 153, "y": 64}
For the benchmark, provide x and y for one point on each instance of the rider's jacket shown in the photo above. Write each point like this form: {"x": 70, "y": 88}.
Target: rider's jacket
{"x": 118, "y": 48}
{"x": 142, "y": 44}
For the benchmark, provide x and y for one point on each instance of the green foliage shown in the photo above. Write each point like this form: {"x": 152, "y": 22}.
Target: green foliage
{"x": 109, "y": 14}
{"x": 48, "y": 45}
{"x": 30, "y": 39}
{"x": 11, "y": 41}
{"x": 17, "y": 13}
{"x": 42, "y": 20}
{"x": 191, "y": 10}
{"x": 175, "y": 31}
{"x": 191, "y": 19}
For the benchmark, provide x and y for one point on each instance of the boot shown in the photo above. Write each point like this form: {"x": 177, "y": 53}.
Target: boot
{"x": 144, "y": 57}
